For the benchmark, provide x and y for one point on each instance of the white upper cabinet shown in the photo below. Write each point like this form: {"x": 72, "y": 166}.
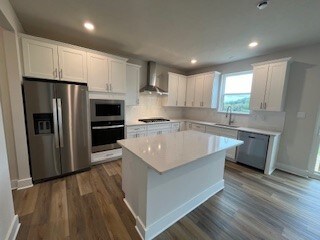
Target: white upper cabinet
{"x": 269, "y": 85}
{"x": 190, "y": 91}
{"x": 198, "y": 90}
{"x": 72, "y": 64}
{"x": 49, "y": 61}
{"x": 46, "y": 59}
{"x": 98, "y": 74}
{"x": 206, "y": 90}
{"x": 182, "y": 88}
{"x": 133, "y": 84}
{"x": 259, "y": 81}
{"x": 117, "y": 75}
{"x": 40, "y": 59}
{"x": 177, "y": 85}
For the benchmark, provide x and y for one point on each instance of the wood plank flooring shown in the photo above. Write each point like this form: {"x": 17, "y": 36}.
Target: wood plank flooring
{"x": 89, "y": 205}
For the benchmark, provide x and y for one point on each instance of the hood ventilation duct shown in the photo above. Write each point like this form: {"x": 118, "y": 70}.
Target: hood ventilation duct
{"x": 152, "y": 86}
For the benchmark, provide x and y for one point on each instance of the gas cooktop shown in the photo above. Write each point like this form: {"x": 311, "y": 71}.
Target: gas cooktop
{"x": 149, "y": 120}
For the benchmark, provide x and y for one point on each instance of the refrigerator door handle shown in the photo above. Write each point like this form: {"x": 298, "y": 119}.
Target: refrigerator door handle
{"x": 55, "y": 122}
{"x": 60, "y": 121}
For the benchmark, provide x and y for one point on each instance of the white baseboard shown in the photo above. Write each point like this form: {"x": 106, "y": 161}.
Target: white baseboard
{"x": 169, "y": 219}
{"x": 14, "y": 229}
{"x": 14, "y": 184}
{"x": 24, "y": 183}
{"x": 292, "y": 170}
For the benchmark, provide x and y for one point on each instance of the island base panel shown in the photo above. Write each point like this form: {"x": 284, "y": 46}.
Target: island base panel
{"x": 159, "y": 200}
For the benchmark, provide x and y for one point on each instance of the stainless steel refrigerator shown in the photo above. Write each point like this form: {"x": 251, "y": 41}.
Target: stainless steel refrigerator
{"x": 57, "y": 127}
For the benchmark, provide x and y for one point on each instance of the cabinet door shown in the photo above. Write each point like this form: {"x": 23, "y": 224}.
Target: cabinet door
{"x": 259, "y": 81}
{"x": 40, "y": 59}
{"x": 213, "y": 130}
{"x": 73, "y": 64}
{"x": 141, "y": 134}
{"x": 97, "y": 72}
{"x": 153, "y": 133}
{"x": 173, "y": 90}
{"x": 275, "y": 86}
{"x": 133, "y": 79}
{"x": 198, "y": 93}
{"x": 191, "y": 82}
{"x": 182, "y": 88}
{"x": 198, "y": 127}
{"x": 117, "y": 75}
{"x": 207, "y": 91}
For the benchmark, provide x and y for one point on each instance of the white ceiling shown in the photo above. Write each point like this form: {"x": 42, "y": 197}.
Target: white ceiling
{"x": 174, "y": 31}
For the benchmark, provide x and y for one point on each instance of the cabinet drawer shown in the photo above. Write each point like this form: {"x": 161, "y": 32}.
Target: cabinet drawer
{"x": 159, "y": 126}
{"x": 136, "y": 135}
{"x": 175, "y": 125}
{"x": 198, "y": 127}
{"x": 135, "y": 129}
{"x": 229, "y": 133}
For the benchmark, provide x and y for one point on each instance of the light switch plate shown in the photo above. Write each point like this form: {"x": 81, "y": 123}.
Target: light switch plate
{"x": 301, "y": 115}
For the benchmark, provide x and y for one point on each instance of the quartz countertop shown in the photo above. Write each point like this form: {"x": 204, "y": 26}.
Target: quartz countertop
{"x": 246, "y": 129}
{"x": 169, "y": 151}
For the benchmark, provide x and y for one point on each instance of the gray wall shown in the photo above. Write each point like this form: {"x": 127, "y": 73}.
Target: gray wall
{"x": 303, "y": 95}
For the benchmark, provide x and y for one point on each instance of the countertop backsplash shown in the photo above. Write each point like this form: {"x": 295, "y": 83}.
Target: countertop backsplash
{"x": 151, "y": 106}
{"x": 273, "y": 121}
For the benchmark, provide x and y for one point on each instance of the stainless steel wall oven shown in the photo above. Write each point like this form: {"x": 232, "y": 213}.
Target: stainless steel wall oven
{"x": 107, "y": 124}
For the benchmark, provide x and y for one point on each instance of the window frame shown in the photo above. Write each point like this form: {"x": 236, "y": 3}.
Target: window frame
{"x": 222, "y": 89}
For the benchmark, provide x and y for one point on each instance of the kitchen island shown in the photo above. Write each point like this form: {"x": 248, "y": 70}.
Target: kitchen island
{"x": 165, "y": 177}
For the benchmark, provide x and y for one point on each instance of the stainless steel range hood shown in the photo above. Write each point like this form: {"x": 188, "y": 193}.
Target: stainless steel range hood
{"x": 152, "y": 84}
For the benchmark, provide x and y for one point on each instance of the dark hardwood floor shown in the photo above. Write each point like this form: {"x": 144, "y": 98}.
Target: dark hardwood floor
{"x": 252, "y": 206}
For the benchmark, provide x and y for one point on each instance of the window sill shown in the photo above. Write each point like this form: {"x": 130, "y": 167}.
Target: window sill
{"x": 234, "y": 113}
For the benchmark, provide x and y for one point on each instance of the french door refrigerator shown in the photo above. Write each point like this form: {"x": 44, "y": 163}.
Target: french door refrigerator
{"x": 57, "y": 127}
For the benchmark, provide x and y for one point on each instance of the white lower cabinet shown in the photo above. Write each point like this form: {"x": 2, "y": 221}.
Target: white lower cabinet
{"x": 224, "y": 132}
{"x": 198, "y": 127}
{"x": 151, "y": 129}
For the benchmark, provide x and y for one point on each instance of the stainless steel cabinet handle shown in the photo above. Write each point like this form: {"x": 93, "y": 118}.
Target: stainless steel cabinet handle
{"x": 192, "y": 103}
{"x": 111, "y": 87}
{"x": 265, "y": 105}
{"x": 185, "y": 103}
{"x": 108, "y": 127}
{"x": 176, "y": 103}
{"x": 60, "y": 121}
{"x": 260, "y": 105}
{"x": 55, "y": 122}
{"x": 107, "y": 86}
{"x": 55, "y": 73}
{"x": 60, "y": 73}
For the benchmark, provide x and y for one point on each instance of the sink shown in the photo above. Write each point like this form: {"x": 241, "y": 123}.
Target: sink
{"x": 226, "y": 125}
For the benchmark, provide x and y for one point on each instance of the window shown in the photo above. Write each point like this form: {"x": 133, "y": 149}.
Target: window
{"x": 235, "y": 92}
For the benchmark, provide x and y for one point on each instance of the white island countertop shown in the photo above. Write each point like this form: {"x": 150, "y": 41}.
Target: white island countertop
{"x": 169, "y": 151}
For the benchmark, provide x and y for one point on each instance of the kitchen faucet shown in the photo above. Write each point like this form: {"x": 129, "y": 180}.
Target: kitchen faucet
{"x": 230, "y": 115}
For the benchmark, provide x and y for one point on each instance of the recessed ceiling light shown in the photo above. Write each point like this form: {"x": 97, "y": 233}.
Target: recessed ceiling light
{"x": 253, "y": 44}
{"x": 262, "y": 5}
{"x": 89, "y": 26}
{"x": 193, "y": 61}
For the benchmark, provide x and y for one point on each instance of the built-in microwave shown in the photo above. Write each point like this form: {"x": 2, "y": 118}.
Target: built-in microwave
{"x": 106, "y": 110}
{"x": 107, "y": 124}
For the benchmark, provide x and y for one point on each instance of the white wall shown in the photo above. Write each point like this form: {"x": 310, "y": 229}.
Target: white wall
{"x": 7, "y": 217}
{"x": 14, "y": 80}
{"x": 302, "y": 96}
{"x": 7, "y": 116}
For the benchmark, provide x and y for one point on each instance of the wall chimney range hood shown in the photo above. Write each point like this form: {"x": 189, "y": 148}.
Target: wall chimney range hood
{"x": 152, "y": 84}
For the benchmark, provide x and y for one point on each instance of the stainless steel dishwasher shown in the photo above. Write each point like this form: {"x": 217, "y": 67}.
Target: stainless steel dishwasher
{"x": 254, "y": 150}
